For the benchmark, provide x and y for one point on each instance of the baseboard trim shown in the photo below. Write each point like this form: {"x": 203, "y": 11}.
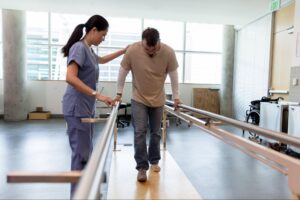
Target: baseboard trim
{"x": 57, "y": 116}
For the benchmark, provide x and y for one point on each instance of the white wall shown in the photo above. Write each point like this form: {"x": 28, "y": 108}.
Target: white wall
{"x": 252, "y": 64}
{"x": 1, "y": 97}
{"x": 48, "y": 94}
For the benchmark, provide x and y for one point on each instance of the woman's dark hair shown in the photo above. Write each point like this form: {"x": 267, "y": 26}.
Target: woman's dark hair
{"x": 151, "y": 35}
{"x": 95, "y": 21}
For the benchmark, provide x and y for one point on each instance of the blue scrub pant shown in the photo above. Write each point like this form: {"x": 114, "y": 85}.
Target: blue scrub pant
{"x": 80, "y": 139}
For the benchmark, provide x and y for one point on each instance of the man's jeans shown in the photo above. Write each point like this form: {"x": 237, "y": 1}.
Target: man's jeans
{"x": 141, "y": 114}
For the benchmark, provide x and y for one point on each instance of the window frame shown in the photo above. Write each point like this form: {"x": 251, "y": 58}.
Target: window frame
{"x": 183, "y": 51}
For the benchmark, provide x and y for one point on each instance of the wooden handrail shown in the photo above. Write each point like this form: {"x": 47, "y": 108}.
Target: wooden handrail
{"x": 43, "y": 177}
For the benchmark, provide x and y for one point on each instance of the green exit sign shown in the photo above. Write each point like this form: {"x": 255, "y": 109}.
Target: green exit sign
{"x": 275, "y": 5}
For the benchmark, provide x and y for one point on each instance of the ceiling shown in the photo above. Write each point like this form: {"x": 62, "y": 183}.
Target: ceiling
{"x": 234, "y": 12}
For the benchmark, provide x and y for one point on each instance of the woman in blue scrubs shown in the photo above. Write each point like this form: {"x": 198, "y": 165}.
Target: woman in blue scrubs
{"x": 81, "y": 95}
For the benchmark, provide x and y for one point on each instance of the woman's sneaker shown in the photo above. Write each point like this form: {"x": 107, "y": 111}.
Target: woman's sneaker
{"x": 155, "y": 168}
{"x": 142, "y": 175}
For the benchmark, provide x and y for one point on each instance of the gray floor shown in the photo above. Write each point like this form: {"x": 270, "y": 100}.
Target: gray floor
{"x": 217, "y": 170}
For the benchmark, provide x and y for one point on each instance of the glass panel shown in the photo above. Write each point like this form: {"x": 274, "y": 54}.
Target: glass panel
{"x": 171, "y": 32}
{"x": 37, "y": 62}
{"x": 203, "y": 68}
{"x": 58, "y": 64}
{"x": 122, "y": 31}
{"x": 36, "y": 28}
{"x": 204, "y": 37}
{"x": 199, "y": 68}
{"x": 110, "y": 70}
{"x": 62, "y": 26}
{"x": 179, "y": 57}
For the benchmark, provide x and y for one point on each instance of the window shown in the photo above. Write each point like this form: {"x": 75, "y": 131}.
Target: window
{"x": 204, "y": 37}
{"x": 203, "y": 68}
{"x": 203, "y": 57}
{"x": 110, "y": 70}
{"x": 198, "y": 47}
{"x": 62, "y": 26}
{"x": 37, "y": 53}
{"x": 171, "y": 32}
{"x": 36, "y": 28}
{"x": 179, "y": 57}
{"x": 122, "y": 32}
{"x": 58, "y": 64}
{"x": 37, "y": 62}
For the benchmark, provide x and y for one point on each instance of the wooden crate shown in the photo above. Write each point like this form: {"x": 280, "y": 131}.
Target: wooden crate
{"x": 206, "y": 99}
{"x": 39, "y": 115}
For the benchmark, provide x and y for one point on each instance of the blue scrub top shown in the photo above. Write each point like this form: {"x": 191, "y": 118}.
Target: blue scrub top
{"x": 76, "y": 103}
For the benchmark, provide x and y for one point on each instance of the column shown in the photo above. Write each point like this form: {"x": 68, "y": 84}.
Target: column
{"x": 227, "y": 71}
{"x": 14, "y": 65}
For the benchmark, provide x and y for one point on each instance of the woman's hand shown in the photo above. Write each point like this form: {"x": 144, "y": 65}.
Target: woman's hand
{"x": 118, "y": 98}
{"x": 105, "y": 99}
{"x": 125, "y": 49}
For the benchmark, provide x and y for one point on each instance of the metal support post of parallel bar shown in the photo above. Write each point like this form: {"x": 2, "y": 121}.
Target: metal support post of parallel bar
{"x": 164, "y": 129}
{"x": 115, "y": 136}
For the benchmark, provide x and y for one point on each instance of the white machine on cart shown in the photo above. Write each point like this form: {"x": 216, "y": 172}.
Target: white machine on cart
{"x": 273, "y": 117}
{"x": 294, "y": 124}
{"x": 281, "y": 117}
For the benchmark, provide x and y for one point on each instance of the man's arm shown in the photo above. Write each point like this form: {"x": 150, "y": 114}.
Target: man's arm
{"x": 175, "y": 87}
{"x": 121, "y": 82}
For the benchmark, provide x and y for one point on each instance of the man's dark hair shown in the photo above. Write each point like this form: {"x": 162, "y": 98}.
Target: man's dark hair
{"x": 151, "y": 35}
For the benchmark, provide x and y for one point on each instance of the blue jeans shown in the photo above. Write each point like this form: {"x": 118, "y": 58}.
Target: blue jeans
{"x": 141, "y": 115}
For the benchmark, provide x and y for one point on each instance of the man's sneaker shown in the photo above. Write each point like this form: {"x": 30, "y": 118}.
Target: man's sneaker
{"x": 155, "y": 168}
{"x": 142, "y": 175}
